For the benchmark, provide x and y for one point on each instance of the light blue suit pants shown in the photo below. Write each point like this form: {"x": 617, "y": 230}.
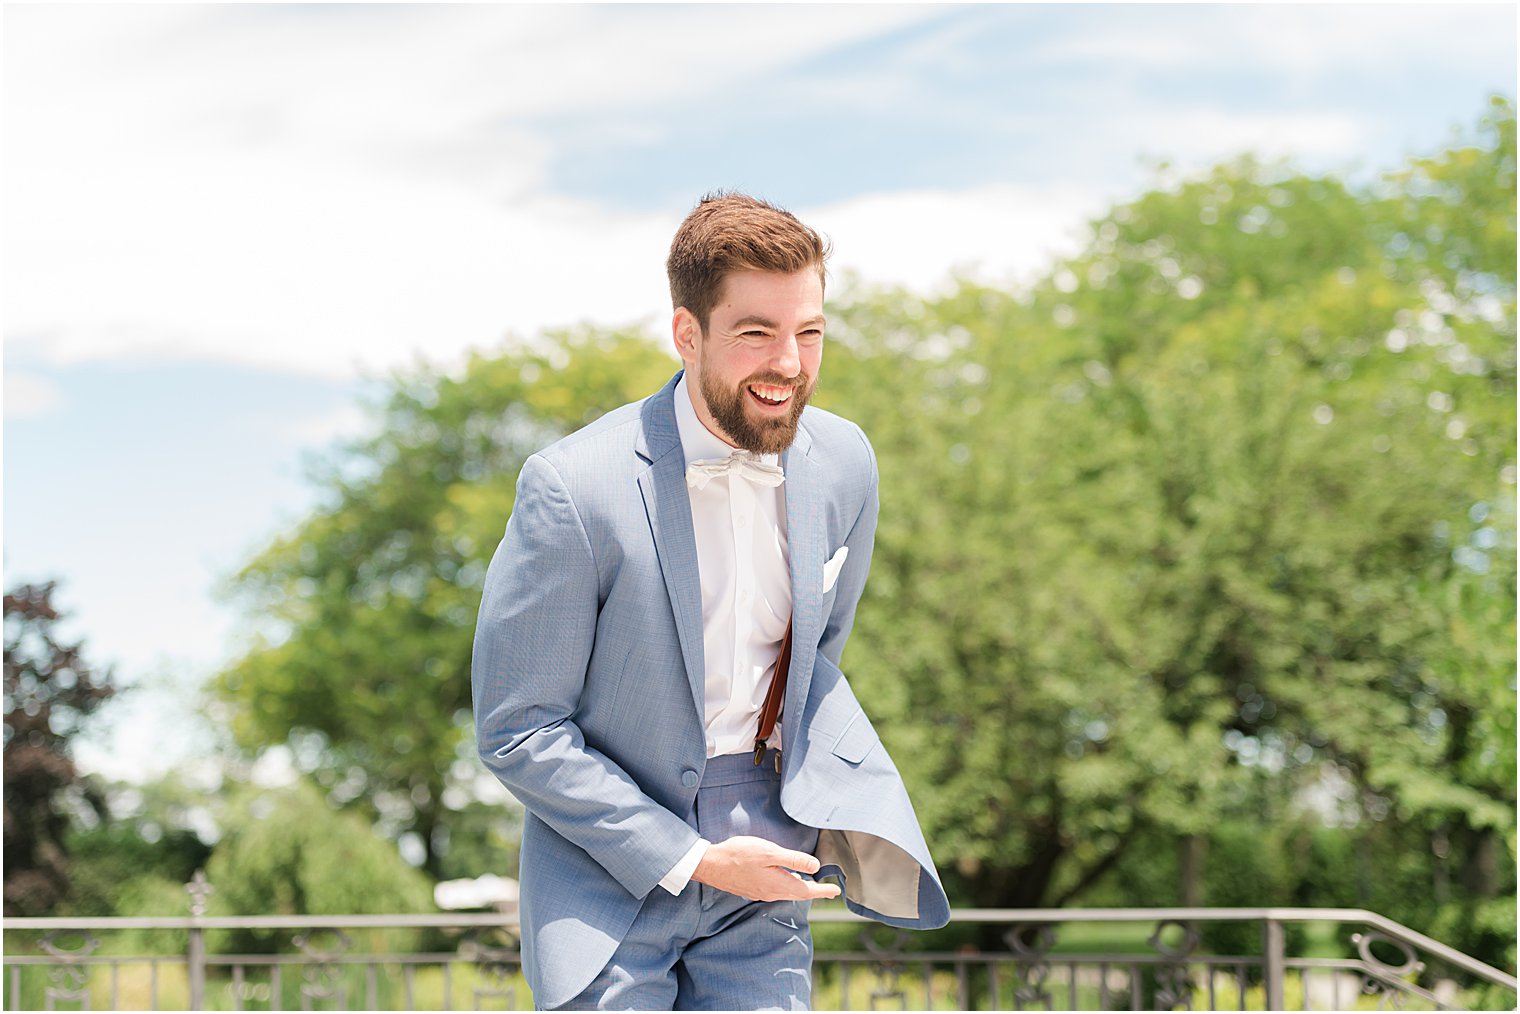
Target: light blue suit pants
{"x": 706, "y": 949}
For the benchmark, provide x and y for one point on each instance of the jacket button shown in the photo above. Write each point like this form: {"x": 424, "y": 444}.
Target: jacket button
{"x": 689, "y": 778}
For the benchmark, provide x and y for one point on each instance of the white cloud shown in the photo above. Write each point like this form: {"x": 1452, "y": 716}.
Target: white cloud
{"x": 1336, "y": 38}
{"x": 345, "y": 421}
{"x": 335, "y": 190}
{"x": 1302, "y": 42}
{"x": 239, "y": 223}
{"x": 335, "y": 73}
{"x": 1204, "y": 135}
{"x": 315, "y": 283}
{"x": 915, "y": 238}
{"x": 331, "y": 190}
{"x": 27, "y": 394}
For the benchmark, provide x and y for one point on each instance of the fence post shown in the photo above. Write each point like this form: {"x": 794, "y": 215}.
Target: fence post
{"x": 1276, "y": 970}
{"x": 199, "y": 890}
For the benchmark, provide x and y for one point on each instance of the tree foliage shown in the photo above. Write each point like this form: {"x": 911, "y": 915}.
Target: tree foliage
{"x": 1215, "y": 521}
{"x": 1229, "y": 493}
{"x": 49, "y": 691}
{"x": 288, "y": 851}
{"x": 368, "y": 607}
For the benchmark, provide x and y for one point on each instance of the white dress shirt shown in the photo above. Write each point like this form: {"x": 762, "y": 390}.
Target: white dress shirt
{"x": 742, "y": 561}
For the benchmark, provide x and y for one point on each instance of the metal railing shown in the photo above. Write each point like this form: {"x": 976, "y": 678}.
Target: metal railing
{"x": 1144, "y": 959}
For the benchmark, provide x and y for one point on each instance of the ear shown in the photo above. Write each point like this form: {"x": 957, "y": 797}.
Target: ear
{"x": 687, "y": 335}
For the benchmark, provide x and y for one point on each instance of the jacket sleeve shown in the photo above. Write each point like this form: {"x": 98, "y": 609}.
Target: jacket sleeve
{"x": 857, "y": 566}
{"x": 533, "y": 643}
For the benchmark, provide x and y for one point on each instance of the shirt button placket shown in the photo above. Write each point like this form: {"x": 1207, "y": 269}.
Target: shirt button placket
{"x": 742, "y": 501}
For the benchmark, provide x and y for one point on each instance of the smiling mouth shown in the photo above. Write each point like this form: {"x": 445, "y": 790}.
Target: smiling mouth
{"x": 770, "y": 395}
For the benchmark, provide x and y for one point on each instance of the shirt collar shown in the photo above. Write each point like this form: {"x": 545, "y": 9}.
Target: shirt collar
{"x": 697, "y": 441}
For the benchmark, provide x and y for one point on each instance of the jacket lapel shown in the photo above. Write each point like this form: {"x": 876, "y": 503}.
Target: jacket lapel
{"x": 668, "y": 506}
{"x": 805, "y": 533}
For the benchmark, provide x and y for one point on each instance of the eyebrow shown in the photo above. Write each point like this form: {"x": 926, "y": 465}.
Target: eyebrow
{"x": 766, "y": 322}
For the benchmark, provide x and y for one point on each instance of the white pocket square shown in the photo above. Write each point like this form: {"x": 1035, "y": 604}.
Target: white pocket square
{"x": 833, "y": 567}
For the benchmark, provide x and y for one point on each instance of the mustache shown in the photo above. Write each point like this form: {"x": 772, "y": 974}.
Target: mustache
{"x": 798, "y": 382}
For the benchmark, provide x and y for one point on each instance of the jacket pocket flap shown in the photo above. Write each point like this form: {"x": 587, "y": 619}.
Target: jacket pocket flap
{"x": 856, "y": 740}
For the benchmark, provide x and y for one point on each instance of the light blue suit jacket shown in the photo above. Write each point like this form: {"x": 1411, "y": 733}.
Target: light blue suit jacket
{"x": 588, "y": 681}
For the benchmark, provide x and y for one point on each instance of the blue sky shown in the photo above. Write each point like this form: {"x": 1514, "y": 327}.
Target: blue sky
{"x": 1028, "y": 94}
{"x": 222, "y": 224}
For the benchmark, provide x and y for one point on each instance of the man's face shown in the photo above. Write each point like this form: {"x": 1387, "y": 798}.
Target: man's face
{"x": 755, "y": 367}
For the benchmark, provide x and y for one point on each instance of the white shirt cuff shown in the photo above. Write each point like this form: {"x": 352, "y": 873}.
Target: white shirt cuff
{"x": 680, "y": 875}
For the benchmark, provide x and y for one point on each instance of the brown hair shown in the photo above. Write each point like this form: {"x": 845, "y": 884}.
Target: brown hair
{"x": 735, "y": 232}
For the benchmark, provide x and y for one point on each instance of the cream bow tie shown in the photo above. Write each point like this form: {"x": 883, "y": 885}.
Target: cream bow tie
{"x": 741, "y": 463}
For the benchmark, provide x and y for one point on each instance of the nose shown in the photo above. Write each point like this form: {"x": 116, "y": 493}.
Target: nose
{"x": 785, "y": 357}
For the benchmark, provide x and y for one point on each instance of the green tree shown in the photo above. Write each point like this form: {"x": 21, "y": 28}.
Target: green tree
{"x": 49, "y": 691}
{"x": 138, "y": 855}
{"x": 288, "y": 851}
{"x": 1186, "y": 512}
{"x": 362, "y": 662}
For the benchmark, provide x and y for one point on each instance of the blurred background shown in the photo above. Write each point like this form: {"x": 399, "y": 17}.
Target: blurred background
{"x": 1184, "y": 334}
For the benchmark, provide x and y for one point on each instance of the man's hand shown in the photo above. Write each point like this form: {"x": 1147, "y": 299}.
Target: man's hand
{"x": 759, "y": 870}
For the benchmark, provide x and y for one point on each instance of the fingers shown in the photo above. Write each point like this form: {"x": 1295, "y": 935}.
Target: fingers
{"x": 799, "y": 861}
{"x": 775, "y": 855}
{"x": 798, "y": 889}
{"x": 820, "y": 892}
{"x": 801, "y": 890}
{"x": 807, "y": 890}
{"x": 770, "y": 875}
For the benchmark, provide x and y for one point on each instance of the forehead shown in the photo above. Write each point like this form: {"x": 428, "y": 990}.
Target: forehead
{"x": 797, "y": 294}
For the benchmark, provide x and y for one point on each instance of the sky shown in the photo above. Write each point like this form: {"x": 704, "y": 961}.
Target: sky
{"x": 225, "y": 226}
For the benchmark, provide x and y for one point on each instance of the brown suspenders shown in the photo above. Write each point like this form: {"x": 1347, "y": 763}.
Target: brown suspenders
{"x": 772, "y": 707}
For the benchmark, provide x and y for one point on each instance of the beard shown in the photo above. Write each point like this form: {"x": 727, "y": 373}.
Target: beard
{"x": 765, "y": 435}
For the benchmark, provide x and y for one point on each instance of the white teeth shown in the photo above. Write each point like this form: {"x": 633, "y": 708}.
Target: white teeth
{"x": 774, "y": 395}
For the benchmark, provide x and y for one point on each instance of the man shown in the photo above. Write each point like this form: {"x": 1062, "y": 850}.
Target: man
{"x": 630, "y": 631}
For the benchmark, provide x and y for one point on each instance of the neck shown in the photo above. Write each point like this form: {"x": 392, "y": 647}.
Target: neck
{"x": 699, "y": 406}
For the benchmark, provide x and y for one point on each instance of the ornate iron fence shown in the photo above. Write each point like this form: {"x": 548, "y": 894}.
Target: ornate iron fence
{"x": 1043, "y": 959}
